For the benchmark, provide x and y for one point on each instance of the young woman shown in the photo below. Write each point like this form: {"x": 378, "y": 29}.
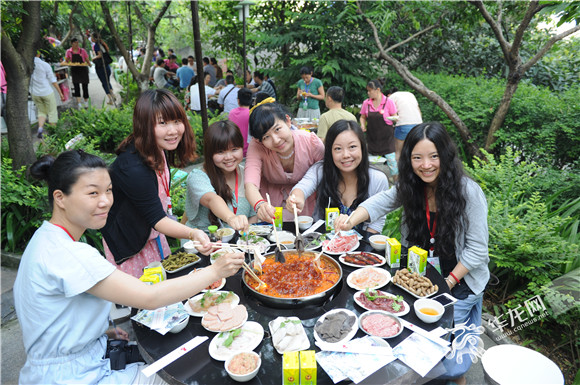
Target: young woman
{"x": 134, "y": 235}
{"x": 101, "y": 50}
{"x": 216, "y": 193}
{"x": 310, "y": 92}
{"x": 64, "y": 288}
{"x": 343, "y": 178}
{"x": 278, "y": 157}
{"x": 445, "y": 212}
{"x": 80, "y": 74}
{"x": 374, "y": 115}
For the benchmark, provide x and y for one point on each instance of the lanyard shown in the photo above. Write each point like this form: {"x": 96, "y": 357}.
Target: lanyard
{"x": 66, "y": 231}
{"x": 236, "y": 194}
{"x": 431, "y": 230}
{"x": 165, "y": 184}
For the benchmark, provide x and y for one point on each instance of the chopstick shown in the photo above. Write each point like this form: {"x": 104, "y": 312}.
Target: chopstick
{"x": 249, "y": 270}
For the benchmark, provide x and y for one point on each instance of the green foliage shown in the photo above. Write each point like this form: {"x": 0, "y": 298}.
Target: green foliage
{"x": 392, "y": 228}
{"x": 23, "y": 207}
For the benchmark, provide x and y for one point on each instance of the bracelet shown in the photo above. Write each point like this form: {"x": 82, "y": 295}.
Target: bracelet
{"x": 257, "y": 205}
{"x": 191, "y": 234}
{"x": 450, "y": 281}
{"x": 454, "y": 277}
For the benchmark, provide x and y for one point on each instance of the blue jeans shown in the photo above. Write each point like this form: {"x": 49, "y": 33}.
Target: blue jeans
{"x": 402, "y": 131}
{"x": 466, "y": 310}
{"x": 104, "y": 73}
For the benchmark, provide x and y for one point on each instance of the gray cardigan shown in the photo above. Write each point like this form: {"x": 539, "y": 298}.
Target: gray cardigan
{"x": 470, "y": 242}
{"x": 377, "y": 182}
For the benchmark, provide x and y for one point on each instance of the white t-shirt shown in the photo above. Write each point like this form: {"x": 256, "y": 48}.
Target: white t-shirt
{"x": 194, "y": 92}
{"x": 42, "y": 78}
{"x": 229, "y": 97}
{"x": 407, "y": 108}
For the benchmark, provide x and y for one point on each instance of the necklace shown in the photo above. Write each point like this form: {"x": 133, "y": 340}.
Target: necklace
{"x": 65, "y": 230}
{"x": 287, "y": 157}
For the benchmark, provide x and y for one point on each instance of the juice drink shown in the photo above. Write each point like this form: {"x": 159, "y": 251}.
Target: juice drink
{"x": 330, "y": 214}
{"x": 291, "y": 368}
{"x": 307, "y": 367}
{"x": 393, "y": 252}
{"x": 417, "y": 260}
{"x": 278, "y": 221}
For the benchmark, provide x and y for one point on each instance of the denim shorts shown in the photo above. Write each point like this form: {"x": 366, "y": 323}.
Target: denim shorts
{"x": 402, "y": 131}
{"x": 392, "y": 163}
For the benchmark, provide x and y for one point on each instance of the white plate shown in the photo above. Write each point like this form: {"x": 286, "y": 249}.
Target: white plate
{"x": 348, "y": 336}
{"x": 219, "y": 331}
{"x": 184, "y": 266}
{"x": 399, "y": 314}
{"x": 342, "y": 252}
{"x": 413, "y": 294}
{"x": 314, "y": 247}
{"x": 223, "y": 281}
{"x": 302, "y": 342}
{"x": 341, "y": 259}
{"x": 223, "y": 251}
{"x": 260, "y": 229}
{"x": 386, "y": 277}
{"x": 263, "y": 242}
{"x": 188, "y": 308}
{"x": 249, "y": 339}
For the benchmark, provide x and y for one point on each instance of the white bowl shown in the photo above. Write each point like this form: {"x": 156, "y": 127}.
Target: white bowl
{"x": 243, "y": 377}
{"x": 378, "y": 242}
{"x": 226, "y": 234}
{"x": 282, "y": 235}
{"x": 189, "y": 247}
{"x": 428, "y": 303}
{"x": 304, "y": 222}
{"x": 180, "y": 326}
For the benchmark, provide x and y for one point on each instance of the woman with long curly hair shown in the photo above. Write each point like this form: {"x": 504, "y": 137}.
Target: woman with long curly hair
{"x": 343, "y": 178}
{"x": 216, "y": 193}
{"x": 445, "y": 212}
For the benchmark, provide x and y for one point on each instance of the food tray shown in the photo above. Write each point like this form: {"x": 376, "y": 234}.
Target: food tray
{"x": 399, "y": 314}
{"x": 383, "y": 272}
{"x": 348, "y": 336}
{"x": 190, "y": 311}
{"x": 253, "y": 335}
{"x": 413, "y": 294}
{"x": 184, "y": 266}
{"x": 303, "y": 342}
{"x": 341, "y": 259}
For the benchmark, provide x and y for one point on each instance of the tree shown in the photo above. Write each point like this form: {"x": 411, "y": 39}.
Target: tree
{"x": 511, "y": 53}
{"x": 18, "y": 61}
{"x": 142, "y": 77}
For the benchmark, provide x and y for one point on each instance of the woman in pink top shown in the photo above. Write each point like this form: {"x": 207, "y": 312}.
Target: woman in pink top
{"x": 80, "y": 75}
{"x": 278, "y": 157}
{"x": 374, "y": 120}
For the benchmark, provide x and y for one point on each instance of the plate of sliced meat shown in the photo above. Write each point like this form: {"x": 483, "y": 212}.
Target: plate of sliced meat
{"x": 223, "y": 318}
{"x": 380, "y": 300}
{"x": 340, "y": 244}
{"x": 368, "y": 278}
{"x": 199, "y": 305}
{"x": 362, "y": 259}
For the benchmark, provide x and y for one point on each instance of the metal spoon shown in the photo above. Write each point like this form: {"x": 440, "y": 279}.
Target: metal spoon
{"x": 299, "y": 240}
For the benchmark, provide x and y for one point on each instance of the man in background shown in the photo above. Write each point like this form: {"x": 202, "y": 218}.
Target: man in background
{"x": 228, "y": 97}
{"x": 42, "y": 81}
{"x": 184, "y": 74}
{"x": 263, "y": 85}
{"x": 333, "y": 101}
{"x": 161, "y": 76}
{"x": 207, "y": 67}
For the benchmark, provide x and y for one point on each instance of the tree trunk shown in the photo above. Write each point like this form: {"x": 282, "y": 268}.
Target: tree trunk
{"x": 19, "y": 64}
{"x": 500, "y": 114}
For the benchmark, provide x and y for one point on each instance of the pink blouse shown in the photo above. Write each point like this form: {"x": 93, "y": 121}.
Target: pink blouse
{"x": 82, "y": 52}
{"x": 264, "y": 169}
{"x": 390, "y": 108}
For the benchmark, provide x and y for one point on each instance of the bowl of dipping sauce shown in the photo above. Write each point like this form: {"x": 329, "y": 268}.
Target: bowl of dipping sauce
{"x": 428, "y": 310}
{"x": 378, "y": 242}
{"x": 225, "y": 234}
{"x": 189, "y": 247}
{"x": 304, "y": 222}
{"x": 243, "y": 366}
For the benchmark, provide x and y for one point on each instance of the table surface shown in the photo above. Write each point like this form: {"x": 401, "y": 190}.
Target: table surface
{"x": 197, "y": 367}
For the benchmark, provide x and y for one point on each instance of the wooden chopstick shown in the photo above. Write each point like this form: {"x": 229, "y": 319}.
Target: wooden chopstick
{"x": 252, "y": 274}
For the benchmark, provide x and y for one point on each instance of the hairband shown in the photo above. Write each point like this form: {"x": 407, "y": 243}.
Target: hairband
{"x": 265, "y": 101}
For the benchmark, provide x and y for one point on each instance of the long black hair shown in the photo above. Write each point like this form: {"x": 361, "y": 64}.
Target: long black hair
{"x": 331, "y": 175}
{"x": 263, "y": 117}
{"x": 449, "y": 194}
{"x": 64, "y": 171}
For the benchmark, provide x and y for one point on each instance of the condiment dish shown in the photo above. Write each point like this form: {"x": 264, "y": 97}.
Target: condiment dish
{"x": 425, "y": 305}
{"x": 304, "y": 222}
{"x": 245, "y": 376}
{"x": 180, "y": 326}
{"x": 189, "y": 247}
{"x": 378, "y": 242}
{"x": 226, "y": 234}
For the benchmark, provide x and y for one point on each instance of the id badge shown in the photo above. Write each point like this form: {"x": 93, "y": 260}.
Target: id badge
{"x": 305, "y": 105}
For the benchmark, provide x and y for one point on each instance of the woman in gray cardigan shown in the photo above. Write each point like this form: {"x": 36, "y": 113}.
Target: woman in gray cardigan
{"x": 444, "y": 212}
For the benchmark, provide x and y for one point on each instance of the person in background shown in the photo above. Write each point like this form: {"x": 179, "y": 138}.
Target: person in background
{"x": 222, "y": 82}
{"x": 260, "y": 97}
{"x": 191, "y": 62}
{"x": 141, "y": 216}
{"x": 219, "y": 73}
{"x": 42, "y": 81}
{"x": 262, "y": 85}
{"x": 101, "y": 50}
{"x": 194, "y": 92}
{"x": 64, "y": 288}
{"x": 141, "y": 58}
{"x": 184, "y": 74}
{"x": 162, "y": 75}
{"x": 250, "y": 83}
{"x": 80, "y": 75}
{"x": 241, "y": 115}
{"x": 278, "y": 157}
{"x": 228, "y": 97}
{"x": 310, "y": 92}
{"x": 333, "y": 101}
{"x": 375, "y": 115}
{"x": 207, "y": 67}
{"x": 343, "y": 178}
{"x": 445, "y": 212}
{"x": 215, "y": 194}
{"x": 409, "y": 115}
{"x": 170, "y": 63}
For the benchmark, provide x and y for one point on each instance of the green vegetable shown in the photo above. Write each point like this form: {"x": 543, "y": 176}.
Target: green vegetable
{"x": 231, "y": 336}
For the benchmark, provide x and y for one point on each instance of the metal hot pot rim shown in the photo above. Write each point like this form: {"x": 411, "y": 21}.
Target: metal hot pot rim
{"x": 287, "y": 303}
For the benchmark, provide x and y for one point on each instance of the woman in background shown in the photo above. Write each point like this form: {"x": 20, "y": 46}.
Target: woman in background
{"x": 140, "y": 218}
{"x": 101, "y": 51}
{"x": 80, "y": 74}
{"x": 310, "y": 92}
{"x": 343, "y": 179}
{"x": 216, "y": 193}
